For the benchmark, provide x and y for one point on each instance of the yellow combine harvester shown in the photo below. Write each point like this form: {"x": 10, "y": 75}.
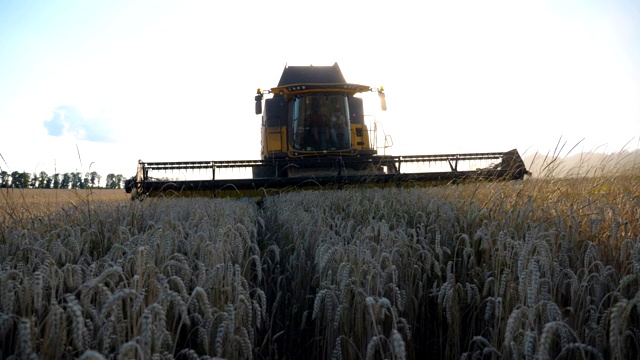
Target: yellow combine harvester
{"x": 314, "y": 135}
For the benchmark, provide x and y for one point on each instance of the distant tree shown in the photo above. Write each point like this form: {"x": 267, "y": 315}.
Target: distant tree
{"x": 111, "y": 181}
{"x": 92, "y": 179}
{"x": 119, "y": 181}
{"x": 76, "y": 180}
{"x": 66, "y": 181}
{"x": 33, "y": 182}
{"x": 114, "y": 181}
{"x": 20, "y": 180}
{"x": 44, "y": 180}
{"x": 15, "y": 179}
{"x": 56, "y": 181}
{"x": 48, "y": 182}
{"x": 5, "y": 179}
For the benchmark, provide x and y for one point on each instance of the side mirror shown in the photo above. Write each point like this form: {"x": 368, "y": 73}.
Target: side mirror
{"x": 383, "y": 101}
{"x": 259, "y": 103}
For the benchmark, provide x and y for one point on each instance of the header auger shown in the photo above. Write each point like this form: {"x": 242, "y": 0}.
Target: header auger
{"x": 314, "y": 135}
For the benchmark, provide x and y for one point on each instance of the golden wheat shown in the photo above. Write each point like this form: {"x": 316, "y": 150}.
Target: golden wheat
{"x": 543, "y": 268}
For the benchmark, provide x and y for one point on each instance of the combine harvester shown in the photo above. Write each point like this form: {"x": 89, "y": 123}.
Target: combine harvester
{"x": 314, "y": 135}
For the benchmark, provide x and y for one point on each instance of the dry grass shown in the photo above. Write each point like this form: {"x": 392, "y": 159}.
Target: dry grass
{"x": 57, "y": 196}
{"x": 24, "y": 204}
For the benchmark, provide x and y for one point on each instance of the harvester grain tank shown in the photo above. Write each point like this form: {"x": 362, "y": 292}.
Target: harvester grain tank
{"x": 314, "y": 134}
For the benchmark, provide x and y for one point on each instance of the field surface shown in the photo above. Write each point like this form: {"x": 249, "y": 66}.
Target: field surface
{"x": 57, "y": 196}
{"x": 533, "y": 269}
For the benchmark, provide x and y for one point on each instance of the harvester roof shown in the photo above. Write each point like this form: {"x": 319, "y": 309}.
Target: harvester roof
{"x": 297, "y": 80}
{"x": 311, "y": 75}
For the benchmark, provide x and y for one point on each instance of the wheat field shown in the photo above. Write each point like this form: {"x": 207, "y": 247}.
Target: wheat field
{"x": 533, "y": 269}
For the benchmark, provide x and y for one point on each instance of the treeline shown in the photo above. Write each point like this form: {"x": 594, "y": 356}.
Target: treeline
{"x": 73, "y": 180}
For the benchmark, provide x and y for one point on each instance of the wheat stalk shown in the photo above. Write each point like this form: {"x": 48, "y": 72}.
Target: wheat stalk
{"x": 74, "y": 310}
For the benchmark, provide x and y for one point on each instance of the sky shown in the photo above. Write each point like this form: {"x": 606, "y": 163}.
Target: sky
{"x": 97, "y": 85}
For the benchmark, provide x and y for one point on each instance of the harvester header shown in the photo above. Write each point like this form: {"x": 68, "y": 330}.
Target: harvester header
{"x": 314, "y": 134}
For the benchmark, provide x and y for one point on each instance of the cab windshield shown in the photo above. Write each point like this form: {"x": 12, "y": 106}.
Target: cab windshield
{"x": 319, "y": 122}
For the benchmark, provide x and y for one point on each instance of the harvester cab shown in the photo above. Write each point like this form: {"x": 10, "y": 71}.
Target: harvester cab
{"x": 314, "y": 135}
{"x": 313, "y": 112}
